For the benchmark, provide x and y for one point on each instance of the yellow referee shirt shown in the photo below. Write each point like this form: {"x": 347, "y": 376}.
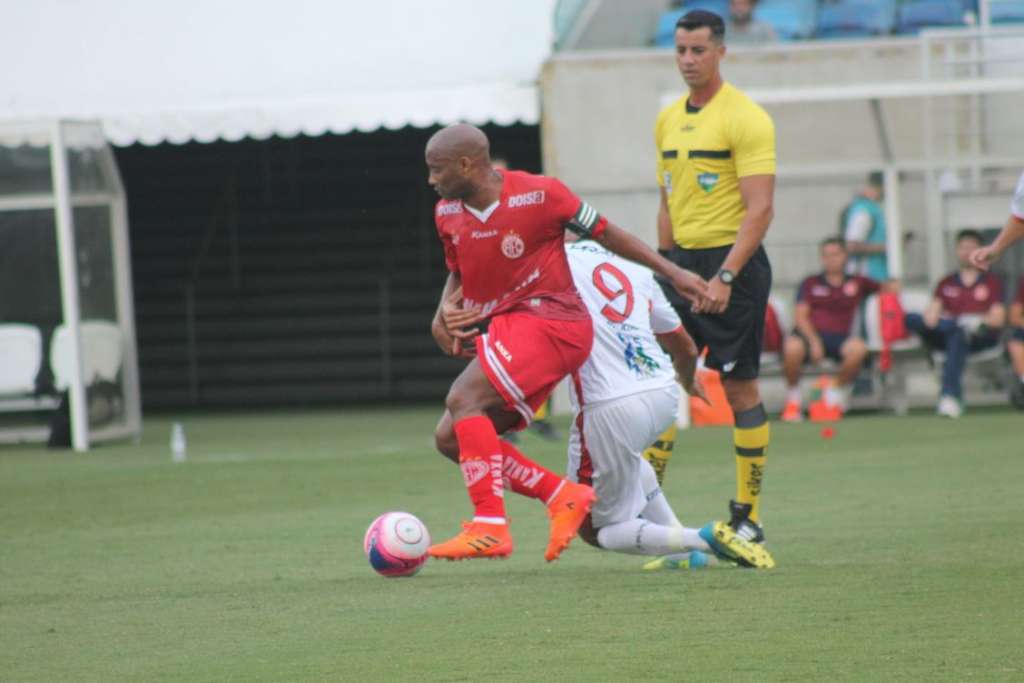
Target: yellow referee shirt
{"x": 701, "y": 157}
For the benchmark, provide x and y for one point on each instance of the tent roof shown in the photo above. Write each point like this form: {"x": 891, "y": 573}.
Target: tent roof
{"x": 228, "y": 69}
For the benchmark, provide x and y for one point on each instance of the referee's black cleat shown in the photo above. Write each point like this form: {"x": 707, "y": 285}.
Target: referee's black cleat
{"x": 739, "y": 520}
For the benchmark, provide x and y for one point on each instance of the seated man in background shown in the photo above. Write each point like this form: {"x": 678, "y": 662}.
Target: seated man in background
{"x": 966, "y": 314}
{"x": 1015, "y": 347}
{"x": 743, "y": 29}
{"x": 826, "y": 306}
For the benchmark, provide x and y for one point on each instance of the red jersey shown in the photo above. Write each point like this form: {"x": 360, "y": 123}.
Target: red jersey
{"x": 512, "y": 256}
{"x": 1019, "y": 299}
{"x": 833, "y": 308}
{"x": 958, "y": 299}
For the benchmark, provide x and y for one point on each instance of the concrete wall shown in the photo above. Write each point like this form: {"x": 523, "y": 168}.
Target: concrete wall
{"x": 599, "y": 110}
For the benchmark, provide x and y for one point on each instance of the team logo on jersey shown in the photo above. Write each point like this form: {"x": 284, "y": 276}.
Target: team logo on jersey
{"x": 668, "y": 182}
{"x": 637, "y": 359}
{"x": 512, "y": 245}
{"x": 707, "y": 181}
{"x": 474, "y": 470}
{"x": 850, "y": 289}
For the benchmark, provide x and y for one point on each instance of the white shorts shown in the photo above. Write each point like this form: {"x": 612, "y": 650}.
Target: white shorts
{"x": 606, "y": 445}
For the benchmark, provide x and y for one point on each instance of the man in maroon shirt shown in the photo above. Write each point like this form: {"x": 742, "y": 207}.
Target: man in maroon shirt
{"x": 1015, "y": 346}
{"x": 966, "y": 314}
{"x": 826, "y": 305}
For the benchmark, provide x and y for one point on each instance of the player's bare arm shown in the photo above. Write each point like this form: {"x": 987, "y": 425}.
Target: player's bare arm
{"x": 680, "y": 345}
{"x": 627, "y": 245}
{"x": 1012, "y": 232}
{"x": 802, "y": 322}
{"x": 665, "y": 239}
{"x": 995, "y": 318}
{"x": 450, "y": 342}
{"x": 757, "y": 192}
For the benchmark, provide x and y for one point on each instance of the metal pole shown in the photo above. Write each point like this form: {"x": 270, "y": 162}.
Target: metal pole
{"x": 66, "y": 253}
{"x": 893, "y": 223}
{"x": 384, "y": 316}
{"x": 190, "y": 341}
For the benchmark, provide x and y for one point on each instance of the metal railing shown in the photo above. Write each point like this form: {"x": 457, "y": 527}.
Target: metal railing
{"x": 225, "y": 211}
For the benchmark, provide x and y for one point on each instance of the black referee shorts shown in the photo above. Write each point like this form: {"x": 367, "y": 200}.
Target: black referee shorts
{"x": 733, "y": 338}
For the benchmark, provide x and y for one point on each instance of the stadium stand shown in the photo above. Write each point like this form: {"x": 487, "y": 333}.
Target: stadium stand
{"x": 21, "y": 356}
{"x": 856, "y": 18}
{"x": 1007, "y": 11}
{"x": 914, "y": 15}
{"x": 791, "y": 19}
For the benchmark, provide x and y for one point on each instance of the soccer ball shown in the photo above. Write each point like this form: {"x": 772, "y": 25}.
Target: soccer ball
{"x": 396, "y": 544}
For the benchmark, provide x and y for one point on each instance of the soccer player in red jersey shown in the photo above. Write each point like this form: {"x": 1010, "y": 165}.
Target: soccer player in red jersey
{"x": 503, "y": 233}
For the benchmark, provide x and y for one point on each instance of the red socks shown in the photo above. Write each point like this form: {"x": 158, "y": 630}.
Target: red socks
{"x": 480, "y": 459}
{"x": 526, "y": 477}
{"x": 489, "y": 465}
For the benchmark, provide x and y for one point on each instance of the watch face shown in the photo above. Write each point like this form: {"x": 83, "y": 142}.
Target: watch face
{"x": 725, "y": 276}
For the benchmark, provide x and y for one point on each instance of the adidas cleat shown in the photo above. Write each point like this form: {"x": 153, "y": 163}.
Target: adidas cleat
{"x": 739, "y": 520}
{"x": 728, "y": 545}
{"x": 567, "y": 510}
{"x": 694, "y": 559}
{"x": 477, "y": 539}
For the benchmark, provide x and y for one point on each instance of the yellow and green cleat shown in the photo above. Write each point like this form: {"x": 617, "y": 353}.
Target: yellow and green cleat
{"x": 728, "y": 545}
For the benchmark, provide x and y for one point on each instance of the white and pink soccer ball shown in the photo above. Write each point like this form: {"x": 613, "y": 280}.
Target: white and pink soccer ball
{"x": 396, "y": 544}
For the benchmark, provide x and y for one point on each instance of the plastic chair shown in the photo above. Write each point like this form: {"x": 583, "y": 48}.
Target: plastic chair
{"x": 102, "y": 353}
{"x": 21, "y": 356}
{"x": 914, "y": 15}
{"x": 791, "y": 19}
{"x": 856, "y": 18}
{"x": 1007, "y": 11}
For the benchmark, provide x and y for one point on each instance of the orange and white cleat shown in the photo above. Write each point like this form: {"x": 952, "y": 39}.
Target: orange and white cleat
{"x": 477, "y": 539}
{"x": 792, "y": 412}
{"x": 567, "y": 510}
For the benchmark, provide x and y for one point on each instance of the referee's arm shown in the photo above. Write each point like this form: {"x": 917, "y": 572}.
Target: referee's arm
{"x": 757, "y": 192}
{"x": 665, "y": 239}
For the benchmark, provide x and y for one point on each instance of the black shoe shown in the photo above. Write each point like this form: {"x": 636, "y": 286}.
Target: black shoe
{"x": 1017, "y": 396}
{"x": 739, "y": 520}
{"x": 544, "y": 429}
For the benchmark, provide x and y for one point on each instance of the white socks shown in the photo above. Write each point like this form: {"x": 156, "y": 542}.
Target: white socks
{"x": 642, "y": 537}
{"x": 656, "y": 532}
{"x": 793, "y": 395}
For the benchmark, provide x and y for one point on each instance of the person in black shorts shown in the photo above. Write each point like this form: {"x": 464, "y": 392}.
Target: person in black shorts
{"x": 716, "y": 172}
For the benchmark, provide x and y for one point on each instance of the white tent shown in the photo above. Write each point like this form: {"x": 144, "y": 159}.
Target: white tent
{"x": 155, "y": 72}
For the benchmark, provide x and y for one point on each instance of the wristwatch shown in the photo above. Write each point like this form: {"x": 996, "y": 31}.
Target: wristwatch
{"x": 726, "y": 276}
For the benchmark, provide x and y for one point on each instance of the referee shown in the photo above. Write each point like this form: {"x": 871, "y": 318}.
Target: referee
{"x": 716, "y": 169}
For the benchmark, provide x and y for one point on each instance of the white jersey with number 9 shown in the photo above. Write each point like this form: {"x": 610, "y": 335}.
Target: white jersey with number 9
{"x": 628, "y": 309}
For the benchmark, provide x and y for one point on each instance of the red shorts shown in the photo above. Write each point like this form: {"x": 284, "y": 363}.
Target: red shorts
{"x": 525, "y": 357}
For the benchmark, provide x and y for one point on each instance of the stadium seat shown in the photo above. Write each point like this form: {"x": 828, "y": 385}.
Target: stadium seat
{"x": 856, "y": 18}
{"x": 914, "y": 15}
{"x": 664, "y": 35}
{"x": 21, "y": 356}
{"x": 102, "y": 351}
{"x": 1007, "y": 11}
{"x": 791, "y": 19}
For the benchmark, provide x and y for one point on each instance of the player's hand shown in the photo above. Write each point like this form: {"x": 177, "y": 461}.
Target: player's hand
{"x": 716, "y": 300}
{"x": 931, "y": 319}
{"x": 695, "y": 388}
{"x": 983, "y": 257}
{"x": 690, "y": 286}
{"x": 817, "y": 350}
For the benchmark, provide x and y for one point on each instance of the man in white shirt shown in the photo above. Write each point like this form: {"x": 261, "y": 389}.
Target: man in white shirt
{"x": 623, "y": 397}
{"x": 1011, "y": 232}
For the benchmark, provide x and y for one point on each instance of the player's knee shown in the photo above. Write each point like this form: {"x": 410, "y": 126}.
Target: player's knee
{"x": 855, "y": 349}
{"x": 741, "y": 394}
{"x": 793, "y": 348}
{"x": 446, "y": 443}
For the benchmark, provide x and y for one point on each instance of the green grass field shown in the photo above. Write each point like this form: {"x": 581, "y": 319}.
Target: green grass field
{"x": 899, "y": 548}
